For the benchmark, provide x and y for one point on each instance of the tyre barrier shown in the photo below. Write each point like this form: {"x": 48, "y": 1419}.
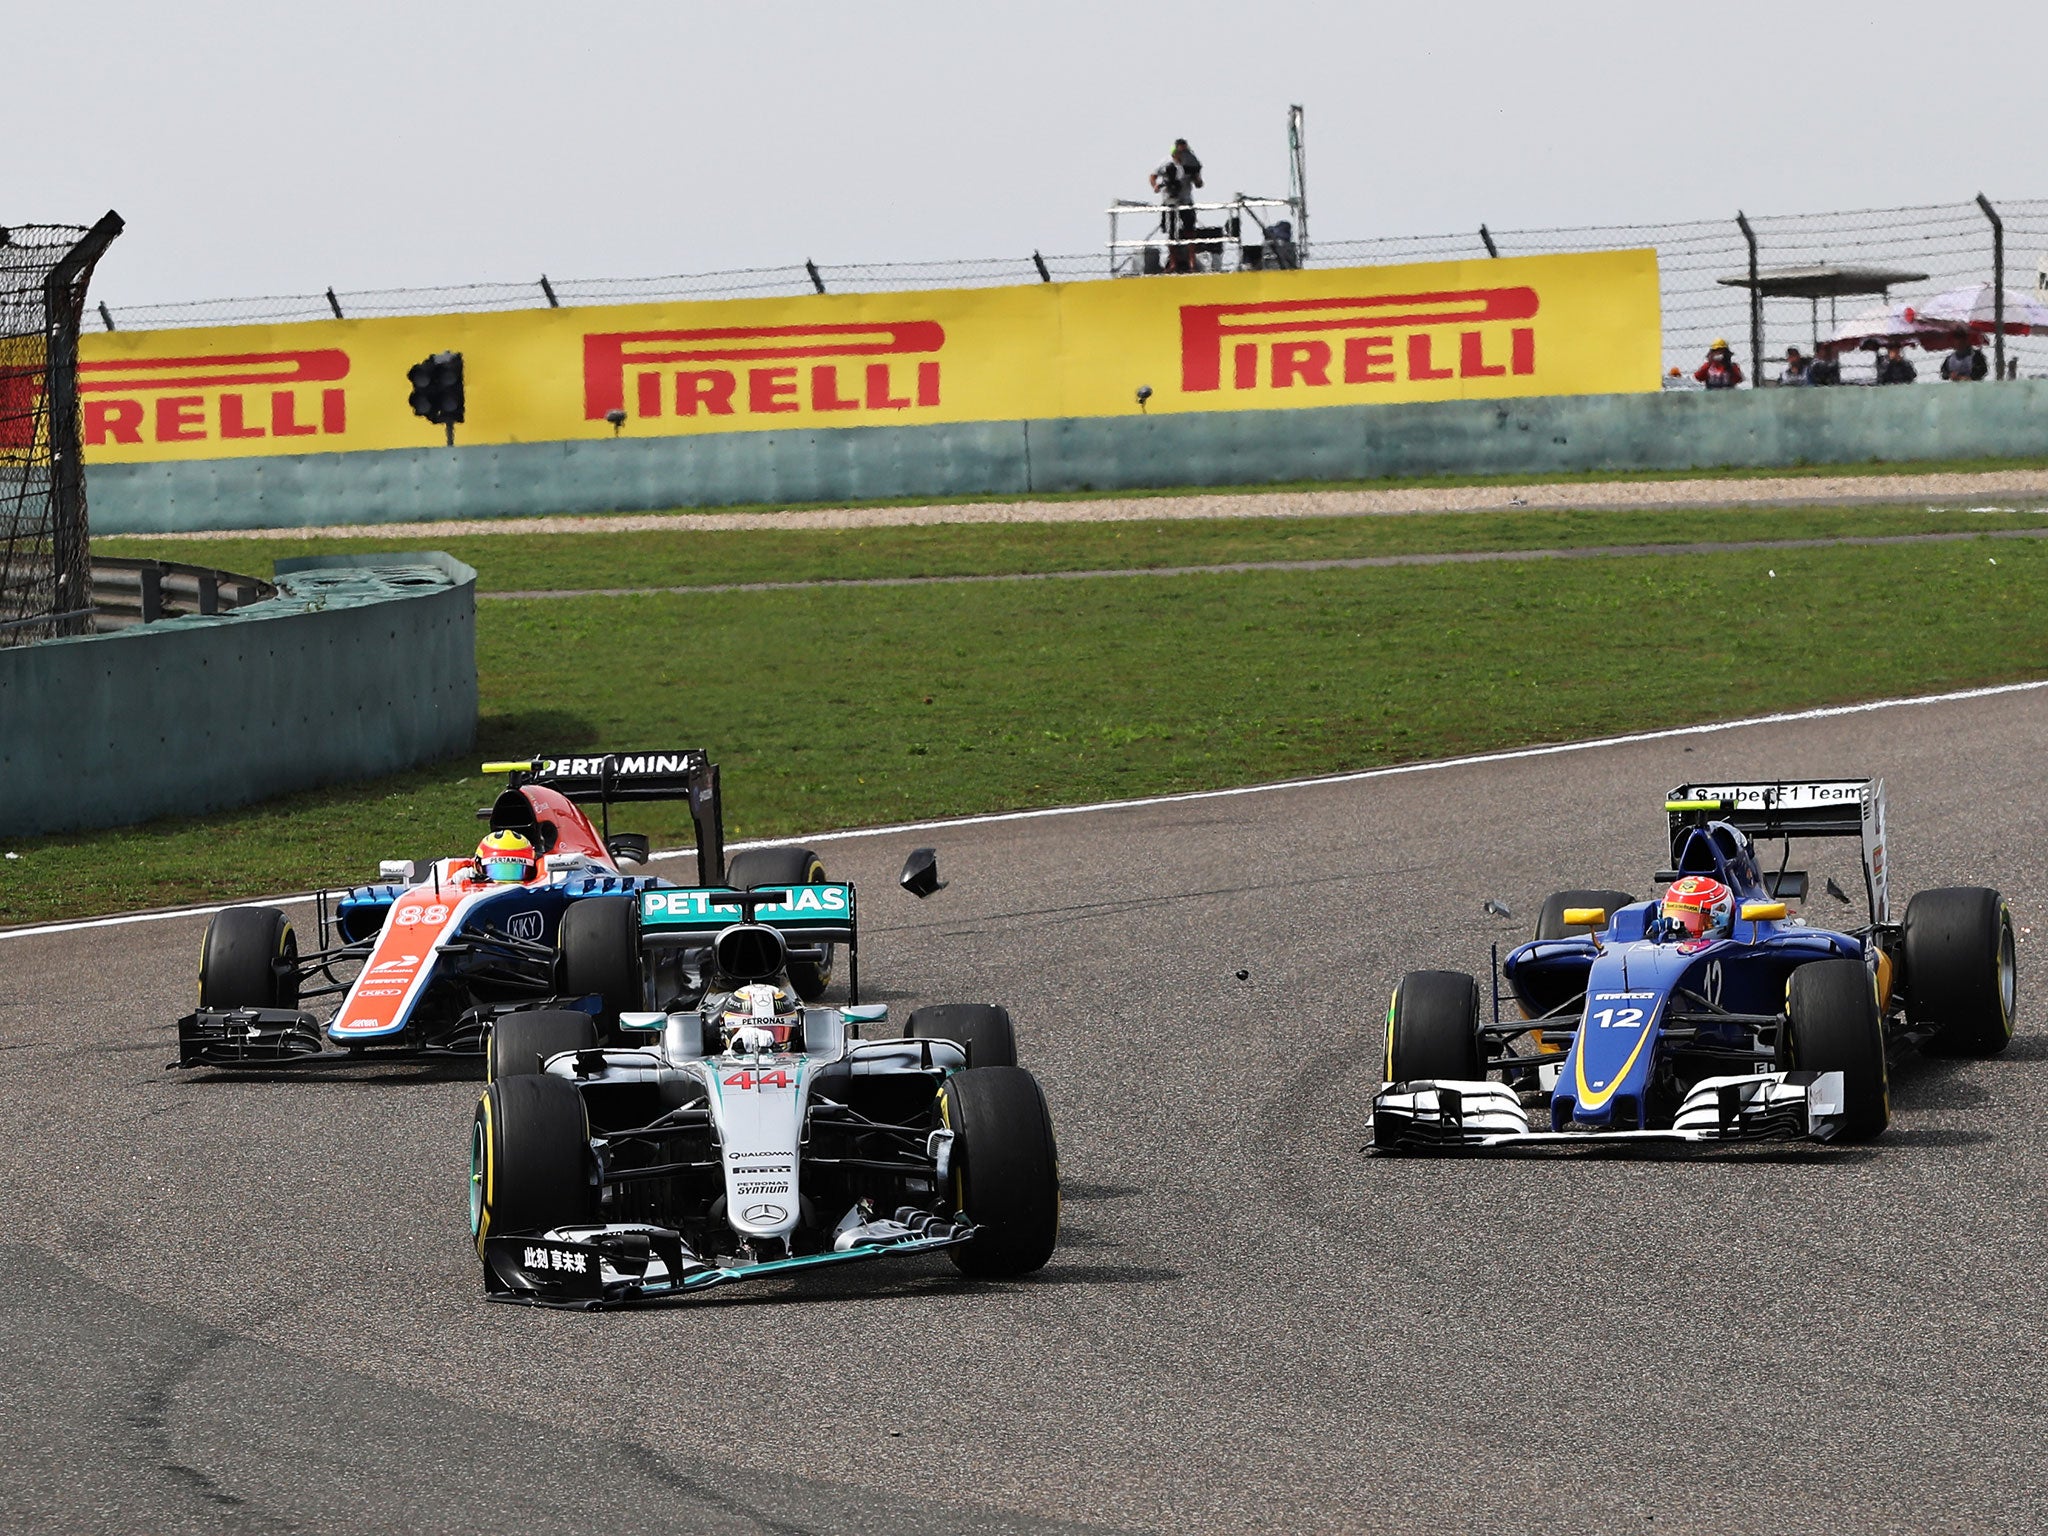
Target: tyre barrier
{"x": 360, "y": 665}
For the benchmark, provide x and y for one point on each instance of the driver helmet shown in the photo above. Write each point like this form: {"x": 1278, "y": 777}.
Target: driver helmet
{"x": 505, "y": 858}
{"x": 760, "y": 1017}
{"x": 1702, "y": 906}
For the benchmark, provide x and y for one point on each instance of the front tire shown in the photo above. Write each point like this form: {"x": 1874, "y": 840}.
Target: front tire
{"x": 1433, "y": 1028}
{"x": 1833, "y": 1026}
{"x": 529, "y": 1159}
{"x": 521, "y": 1043}
{"x": 982, "y": 1030}
{"x": 249, "y": 959}
{"x": 1961, "y": 969}
{"x": 786, "y": 866}
{"x": 1006, "y": 1170}
{"x": 599, "y": 944}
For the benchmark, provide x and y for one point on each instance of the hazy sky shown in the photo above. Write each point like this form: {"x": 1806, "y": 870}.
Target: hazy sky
{"x": 280, "y": 147}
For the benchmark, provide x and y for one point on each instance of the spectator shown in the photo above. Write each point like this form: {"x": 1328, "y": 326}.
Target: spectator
{"x": 1964, "y": 364}
{"x": 1175, "y": 181}
{"x": 1798, "y": 372}
{"x": 1893, "y": 367}
{"x": 1720, "y": 370}
{"x": 1824, "y": 370}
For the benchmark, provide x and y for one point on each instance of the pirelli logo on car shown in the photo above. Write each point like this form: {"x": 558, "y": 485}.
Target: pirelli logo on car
{"x": 226, "y": 399}
{"x": 769, "y": 370}
{"x": 1389, "y": 338}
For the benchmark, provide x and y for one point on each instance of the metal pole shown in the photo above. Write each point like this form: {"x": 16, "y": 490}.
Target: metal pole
{"x": 1039, "y": 262}
{"x": 548, "y": 288}
{"x": 1297, "y": 179}
{"x": 811, "y": 267}
{"x": 1997, "y": 285}
{"x": 1486, "y": 240}
{"x": 70, "y": 536}
{"x": 1756, "y": 307}
{"x": 334, "y": 304}
{"x": 106, "y": 317}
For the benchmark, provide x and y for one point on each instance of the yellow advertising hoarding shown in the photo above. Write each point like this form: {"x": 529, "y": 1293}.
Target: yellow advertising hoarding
{"x": 1538, "y": 325}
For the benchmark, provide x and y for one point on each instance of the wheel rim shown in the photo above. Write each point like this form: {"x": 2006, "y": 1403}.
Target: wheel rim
{"x": 2008, "y": 974}
{"x": 476, "y": 1178}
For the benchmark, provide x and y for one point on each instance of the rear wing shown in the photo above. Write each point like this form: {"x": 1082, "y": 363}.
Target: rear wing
{"x": 817, "y": 914}
{"x": 1801, "y": 808}
{"x": 610, "y": 778}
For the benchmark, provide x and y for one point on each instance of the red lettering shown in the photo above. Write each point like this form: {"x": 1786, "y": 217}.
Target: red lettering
{"x": 1472, "y": 363}
{"x": 1308, "y": 361}
{"x": 334, "y": 411}
{"x": 773, "y": 389}
{"x": 928, "y": 383}
{"x": 648, "y": 386}
{"x": 112, "y": 421}
{"x": 180, "y": 419}
{"x": 879, "y": 398}
{"x": 710, "y": 390}
{"x": 1368, "y": 360}
{"x": 825, "y": 394}
{"x": 1244, "y": 364}
{"x": 1419, "y": 360}
{"x": 1523, "y": 357}
{"x": 231, "y": 422}
{"x": 284, "y": 421}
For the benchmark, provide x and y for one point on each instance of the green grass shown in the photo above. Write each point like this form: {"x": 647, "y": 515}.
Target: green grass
{"x": 831, "y": 709}
{"x": 691, "y": 557}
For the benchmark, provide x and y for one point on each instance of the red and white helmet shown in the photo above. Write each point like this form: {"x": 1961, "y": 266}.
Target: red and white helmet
{"x": 1702, "y": 906}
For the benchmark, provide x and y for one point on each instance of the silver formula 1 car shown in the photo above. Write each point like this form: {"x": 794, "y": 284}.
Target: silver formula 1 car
{"x": 1712, "y": 1014}
{"x": 741, "y": 1133}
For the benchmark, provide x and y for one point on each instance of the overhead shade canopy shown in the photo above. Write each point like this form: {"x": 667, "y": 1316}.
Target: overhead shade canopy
{"x": 1821, "y": 282}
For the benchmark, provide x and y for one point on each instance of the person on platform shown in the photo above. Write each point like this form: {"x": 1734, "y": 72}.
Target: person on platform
{"x": 1965, "y": 364}
{"x": 1893, "y": 367}
{"x": 1175, "y": 180}
{"x": 1824, "y": 370}
{"x": 1798, "y": 371}
{"x": 1720, "y": 370}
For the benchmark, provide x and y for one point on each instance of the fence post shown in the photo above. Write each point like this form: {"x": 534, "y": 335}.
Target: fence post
{"x": 1997, "y": 285}
{"x": 811, "y": 267}
{"x": 1756, "y": 307}
{"x": 1039, "y": 262}
{"x": 334, "y": 304}
{"x": 1486, "y": 240}
{"x": 548, "y": 288}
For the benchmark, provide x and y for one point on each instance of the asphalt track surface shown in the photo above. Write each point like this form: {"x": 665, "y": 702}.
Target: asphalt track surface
{"x": 249, "y": 1304}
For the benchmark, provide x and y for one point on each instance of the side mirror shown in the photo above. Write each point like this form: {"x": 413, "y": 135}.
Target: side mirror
{"x": 1763, "y": 911}
{"x": 921, "y": 873}
{"x": 865, "y": 1013}
{"x": 629, "y": 847}
{"x": 406, "y": 871}
{"x": 1585, "y": 917}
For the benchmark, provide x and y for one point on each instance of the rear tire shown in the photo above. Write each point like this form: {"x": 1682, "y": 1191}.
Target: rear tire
{"x": 1550, "y": 921}
{"x": 982, "y": 1030}
{"x": 529, "y": 1159}
{"x": 600, "y": 948}
{"x": 1833, "y": 1026}
{"x": 1433, "y": 1028}
{"x": 249, "y": 959}
{"x": 786, "y": 866}
{"x": 1961, "y": 969}
{"x": 521, "y": 1043}
{"x": 1006, "y": 1170}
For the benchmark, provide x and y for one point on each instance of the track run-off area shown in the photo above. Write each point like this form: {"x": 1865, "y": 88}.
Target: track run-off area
{"x": 250, "y": 1304}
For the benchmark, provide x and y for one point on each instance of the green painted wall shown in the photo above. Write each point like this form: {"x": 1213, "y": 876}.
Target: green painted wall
{"x": 362, "y": 665}
{"x": 1750, "y": 429}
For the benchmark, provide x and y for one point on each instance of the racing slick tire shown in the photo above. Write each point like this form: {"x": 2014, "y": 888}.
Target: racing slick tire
{"x": 1433, "y": 1028}
{"x": 599, "y": 942}
{"x": 1006, "y": 1170}
{"x": 982, "y": 1030}
{"x": 1833, "y": 1025}
{"x": 521, "y": 1043}
{"x": 1961, "y": 969}
{"x": 529, "y": 1158}
{"x": 249, "y": 959}
{"x": 786, "y": 866}
{"x": 1550, "y": 921}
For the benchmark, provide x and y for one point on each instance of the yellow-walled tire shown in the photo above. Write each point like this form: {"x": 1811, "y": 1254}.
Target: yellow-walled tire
{"x": 529, "y": 1159}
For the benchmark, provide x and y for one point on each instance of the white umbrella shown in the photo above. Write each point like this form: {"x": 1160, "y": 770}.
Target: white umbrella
{"x": 1904, "y": 322}
{"x": 1975, "y": 305}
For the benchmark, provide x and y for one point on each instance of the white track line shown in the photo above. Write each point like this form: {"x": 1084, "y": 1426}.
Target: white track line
{"x": 1478, "y": 759}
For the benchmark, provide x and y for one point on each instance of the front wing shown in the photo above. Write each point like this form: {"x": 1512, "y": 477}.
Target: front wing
{"x": 1450, "y": 1116}
{"x": 628, "y": 1264}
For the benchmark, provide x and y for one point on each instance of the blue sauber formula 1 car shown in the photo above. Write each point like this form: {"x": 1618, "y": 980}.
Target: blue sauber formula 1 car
{"x": 423, "y": 961}
{"x": 1711, "y": 1014}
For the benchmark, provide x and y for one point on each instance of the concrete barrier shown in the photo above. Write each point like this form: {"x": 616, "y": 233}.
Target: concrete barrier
{"x": 1760, "y": 429}
{"x": 361, "y": 665}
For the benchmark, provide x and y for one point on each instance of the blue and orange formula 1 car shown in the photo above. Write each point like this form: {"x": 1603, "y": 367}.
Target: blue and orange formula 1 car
{"x": 423, "y": 960}
{"x": 1711, "y": 1014}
